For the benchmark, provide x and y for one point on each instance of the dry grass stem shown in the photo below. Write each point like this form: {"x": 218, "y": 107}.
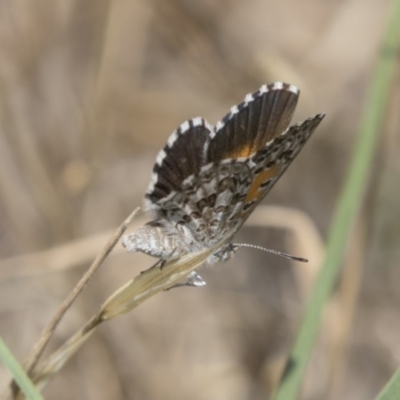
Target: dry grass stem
{"x": 129, "y": 296}
{"x": 48, "y": 331}
{"x": 59, "y": 258}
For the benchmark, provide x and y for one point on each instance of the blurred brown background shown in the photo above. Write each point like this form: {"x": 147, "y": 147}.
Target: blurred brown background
{"x": 89, "y": 92}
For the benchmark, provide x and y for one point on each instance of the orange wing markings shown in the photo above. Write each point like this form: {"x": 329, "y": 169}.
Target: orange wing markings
{"x": 245, "y": 151}
{"x": 254, "y": 193}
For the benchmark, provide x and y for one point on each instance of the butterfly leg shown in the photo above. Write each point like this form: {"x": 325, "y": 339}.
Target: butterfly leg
{"x": 163, "y": 261}
{"x": 159, "y": 263}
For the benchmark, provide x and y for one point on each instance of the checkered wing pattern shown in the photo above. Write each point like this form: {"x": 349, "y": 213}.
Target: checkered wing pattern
{"x": 207, "y": 202}
{"x": 264, "y": 168}
{"x": 272, "y": 160}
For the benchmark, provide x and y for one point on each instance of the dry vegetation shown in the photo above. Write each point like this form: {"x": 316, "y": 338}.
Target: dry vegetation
{"x": 89, "y": 91}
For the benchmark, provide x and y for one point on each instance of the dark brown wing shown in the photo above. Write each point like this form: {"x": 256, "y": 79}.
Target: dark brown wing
{"x": 182, "y": 156}
{"x": 248, "y": 126}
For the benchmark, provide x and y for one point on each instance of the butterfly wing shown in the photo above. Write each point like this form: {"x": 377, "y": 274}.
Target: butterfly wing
{"x": 256, "y": 133}
{"x": 207, "y": 200}
{"x": 261, "y": 117}
{"x": 273, "y": 160}
{"x": 264, "y": 168}
{"x": 182, "y": 156}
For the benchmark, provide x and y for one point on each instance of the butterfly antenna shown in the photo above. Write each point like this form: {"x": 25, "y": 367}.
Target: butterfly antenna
{"x": 277, "y": 253}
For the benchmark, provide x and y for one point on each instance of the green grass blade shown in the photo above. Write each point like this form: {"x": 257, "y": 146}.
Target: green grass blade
{"x": 18, "y": 373}
{"x": 347, "y": 210}
{"x": 392, "y": 390}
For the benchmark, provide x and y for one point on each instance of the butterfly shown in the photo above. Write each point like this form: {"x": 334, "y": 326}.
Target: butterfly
{"x": 207, "y": 179}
